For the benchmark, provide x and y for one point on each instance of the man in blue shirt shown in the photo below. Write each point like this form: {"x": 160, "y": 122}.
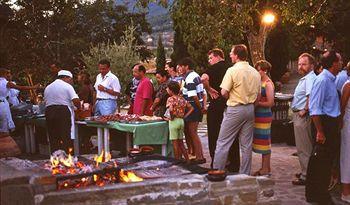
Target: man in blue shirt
{"x": 342, "y": 77}
{"x": 301, "y": 118}
{"x": 325, "y": 112}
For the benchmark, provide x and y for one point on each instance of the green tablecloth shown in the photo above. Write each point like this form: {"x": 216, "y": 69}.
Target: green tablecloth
{"x": 153, "y": 133}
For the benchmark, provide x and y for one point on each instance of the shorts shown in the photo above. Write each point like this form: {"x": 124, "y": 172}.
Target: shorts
{"x": 196, "y": 115}
{"x": 176, "y": 129}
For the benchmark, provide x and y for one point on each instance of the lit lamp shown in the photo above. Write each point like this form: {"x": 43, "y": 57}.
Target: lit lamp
{"x": 268, "y": 18}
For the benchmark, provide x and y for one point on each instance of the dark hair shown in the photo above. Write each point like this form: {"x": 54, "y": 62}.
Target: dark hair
{"x": 3, "y": 72}
{"x": 328, "y": 58}
{"x": 171, "y": 65}
{"x": 187, "y": 62}
{"x": 174, "y": 87}
{"x": 86, "y": 77}
{"x": 62, "y": 76}
{"x": 104, "y": 62}
{"x": 310, "y": 57}
{"x": 264, "y": 66}
{"x": 162, "y": 73}
{"x": 241, "y": 51}
{"x": 317, "y": 69}
{"x": 141, "y": 68}
{"x": 216, "y": 52}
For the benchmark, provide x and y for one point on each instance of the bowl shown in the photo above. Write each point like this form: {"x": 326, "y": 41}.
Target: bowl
{"x": 147, "y": 150}
{"x": 216, "y": 175}
{"x": 134, "y": 152}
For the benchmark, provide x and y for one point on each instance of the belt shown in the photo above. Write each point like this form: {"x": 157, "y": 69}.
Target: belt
{"x": 105, "y": 99}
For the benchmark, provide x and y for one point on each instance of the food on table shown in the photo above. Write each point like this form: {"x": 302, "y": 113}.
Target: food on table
{"x": 130, "y": 118}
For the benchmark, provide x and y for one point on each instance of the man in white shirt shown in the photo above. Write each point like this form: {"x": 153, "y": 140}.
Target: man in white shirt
{"x": 107, "y": 88}
{"x": 60, "y": 99}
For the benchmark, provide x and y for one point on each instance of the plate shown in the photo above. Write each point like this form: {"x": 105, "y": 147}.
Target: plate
{"x": 216, "y": 178}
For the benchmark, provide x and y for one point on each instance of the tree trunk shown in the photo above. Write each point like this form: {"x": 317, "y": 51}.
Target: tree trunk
{"x": 257, "y": 44}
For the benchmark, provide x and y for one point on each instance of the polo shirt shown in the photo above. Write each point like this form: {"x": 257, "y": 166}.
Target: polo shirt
{"x": 302, "y": 91}
{"x": 109, "y": 81}
{"x": 192, "y": 87}
{"x": 59, "y": 93}
{"x": 216, "y": 73}
{"x": 243, "y": 83}
{"x": 324, "y": 98}
{"x": 340, "y": 80}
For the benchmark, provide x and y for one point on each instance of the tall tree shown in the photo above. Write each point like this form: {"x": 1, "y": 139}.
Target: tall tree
{"x": 206, "y": 24}
{"x": 161, "y": 60}
{"x": 39, "y": 32}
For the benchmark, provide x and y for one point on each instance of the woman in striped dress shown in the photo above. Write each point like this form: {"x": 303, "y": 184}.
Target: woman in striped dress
{"x": 263, "y": 118}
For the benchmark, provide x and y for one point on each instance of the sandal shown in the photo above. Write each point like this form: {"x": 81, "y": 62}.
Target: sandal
{"x": 198, "y": 161}
{"x": 259, "y": 173}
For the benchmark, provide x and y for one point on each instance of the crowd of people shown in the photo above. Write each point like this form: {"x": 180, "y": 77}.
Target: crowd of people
{"x": 239, "y": 114}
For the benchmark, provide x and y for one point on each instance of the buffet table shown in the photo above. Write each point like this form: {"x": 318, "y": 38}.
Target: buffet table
{"x": 29, "y": 128}
{"x": 149, "y": 133}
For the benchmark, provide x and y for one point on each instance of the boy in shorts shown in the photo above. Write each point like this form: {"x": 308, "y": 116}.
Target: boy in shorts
{"x": 177, "y": 107}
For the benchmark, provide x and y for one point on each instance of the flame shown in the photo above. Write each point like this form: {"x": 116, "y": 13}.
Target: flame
{"x": 103, "y": 157}
{"x": 128, "y": 176}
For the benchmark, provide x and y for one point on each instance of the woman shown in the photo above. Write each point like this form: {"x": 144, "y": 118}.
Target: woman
{"x": 6, "y": 122}
{"x": 159, "y": 103}
{"x": 263, "y": 118}
{"x": 86, "y": 90}
{"x": 345, "y": 142}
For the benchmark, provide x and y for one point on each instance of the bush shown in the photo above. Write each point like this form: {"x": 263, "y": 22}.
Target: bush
{"x": 122, "y": 57}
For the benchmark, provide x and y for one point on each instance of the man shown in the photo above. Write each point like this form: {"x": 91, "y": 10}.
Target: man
{"x": 171, "y": 68}
{"x": 211, "y": 80}
{"x": 241, "y": 86}
{"x": 325, "y": 110}
{"x": 131, "y": 92}
{"x": 301, "y": 118}
{"x": 193, "y": 92}
{"x": 60, "y": 98}
{"x": 54, "y": 68}
{"x": 159, "y": 104}
{"x": 6, "y": 122}
{"x": 144, "y": 92}
{"x": 342, "y": 77}
{"x": 107, "y": 88}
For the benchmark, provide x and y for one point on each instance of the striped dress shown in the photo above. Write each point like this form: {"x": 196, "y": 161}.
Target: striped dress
{"x": 262, "y": 127}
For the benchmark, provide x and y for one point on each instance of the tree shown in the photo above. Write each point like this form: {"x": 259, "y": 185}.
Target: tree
{"x": 206, "y": 24}
{"x": 121, "y": 55}
{"x": 39, "y": 32}
{"x": 161, "y": 60}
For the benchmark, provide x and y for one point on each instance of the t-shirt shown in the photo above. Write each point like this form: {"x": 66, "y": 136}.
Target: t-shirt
{"x": 59, "y": 93}
{"x": 177, "y": 106}
{"x": 243, "y": 83}
{"x": 216, "y": 73}
{"x": 144, "y": 91}
{"x": 109, "y": 81}
{"x": 193, "y": 87}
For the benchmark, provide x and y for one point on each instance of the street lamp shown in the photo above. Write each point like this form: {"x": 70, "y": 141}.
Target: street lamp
{"x": 268, "y": 18}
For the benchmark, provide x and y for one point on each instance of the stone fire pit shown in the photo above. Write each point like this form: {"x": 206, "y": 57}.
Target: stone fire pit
{"x": 21, "y": 185}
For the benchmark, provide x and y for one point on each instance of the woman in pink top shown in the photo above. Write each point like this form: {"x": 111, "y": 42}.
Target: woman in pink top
{"x": 144, "y": 92}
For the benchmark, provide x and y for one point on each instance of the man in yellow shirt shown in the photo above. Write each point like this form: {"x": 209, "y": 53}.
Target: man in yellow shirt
{"x": 241, "y": 87}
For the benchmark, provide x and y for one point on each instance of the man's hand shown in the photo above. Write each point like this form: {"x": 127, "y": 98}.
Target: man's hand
{"x": 204, "y": 110}
{"x": 214, "y": 94}
{"x": 320, "y": 138}
{"x": 101, "y": 88}
{"x": 302, "y": 113}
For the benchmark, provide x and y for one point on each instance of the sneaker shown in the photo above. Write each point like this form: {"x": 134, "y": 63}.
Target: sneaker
{"x": 345, "y": 198}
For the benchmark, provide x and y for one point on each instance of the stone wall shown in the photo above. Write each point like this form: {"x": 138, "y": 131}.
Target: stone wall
{"x": 34, "y": 188}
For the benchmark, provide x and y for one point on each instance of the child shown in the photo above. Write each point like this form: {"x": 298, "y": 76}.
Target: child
{"x": 177, "y": 107}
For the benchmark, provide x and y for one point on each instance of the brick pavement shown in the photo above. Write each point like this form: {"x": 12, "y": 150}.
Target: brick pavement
{"x": 284, "y": 167}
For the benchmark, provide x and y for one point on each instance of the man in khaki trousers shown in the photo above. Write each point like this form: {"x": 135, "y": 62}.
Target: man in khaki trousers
{"x": 301, "y": 119}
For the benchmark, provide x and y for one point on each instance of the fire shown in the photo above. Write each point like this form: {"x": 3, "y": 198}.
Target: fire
{"x": 103, "y": 157}
{"x": 127, "y": 176}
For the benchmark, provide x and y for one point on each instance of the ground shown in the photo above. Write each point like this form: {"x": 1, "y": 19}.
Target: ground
{"x": 284, "y": 166}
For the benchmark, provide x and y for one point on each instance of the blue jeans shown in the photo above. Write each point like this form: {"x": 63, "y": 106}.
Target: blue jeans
{"x": 105, "y": 107}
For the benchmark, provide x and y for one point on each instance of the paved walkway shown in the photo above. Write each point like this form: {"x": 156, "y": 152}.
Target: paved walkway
{"x": 284, "y": 166}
